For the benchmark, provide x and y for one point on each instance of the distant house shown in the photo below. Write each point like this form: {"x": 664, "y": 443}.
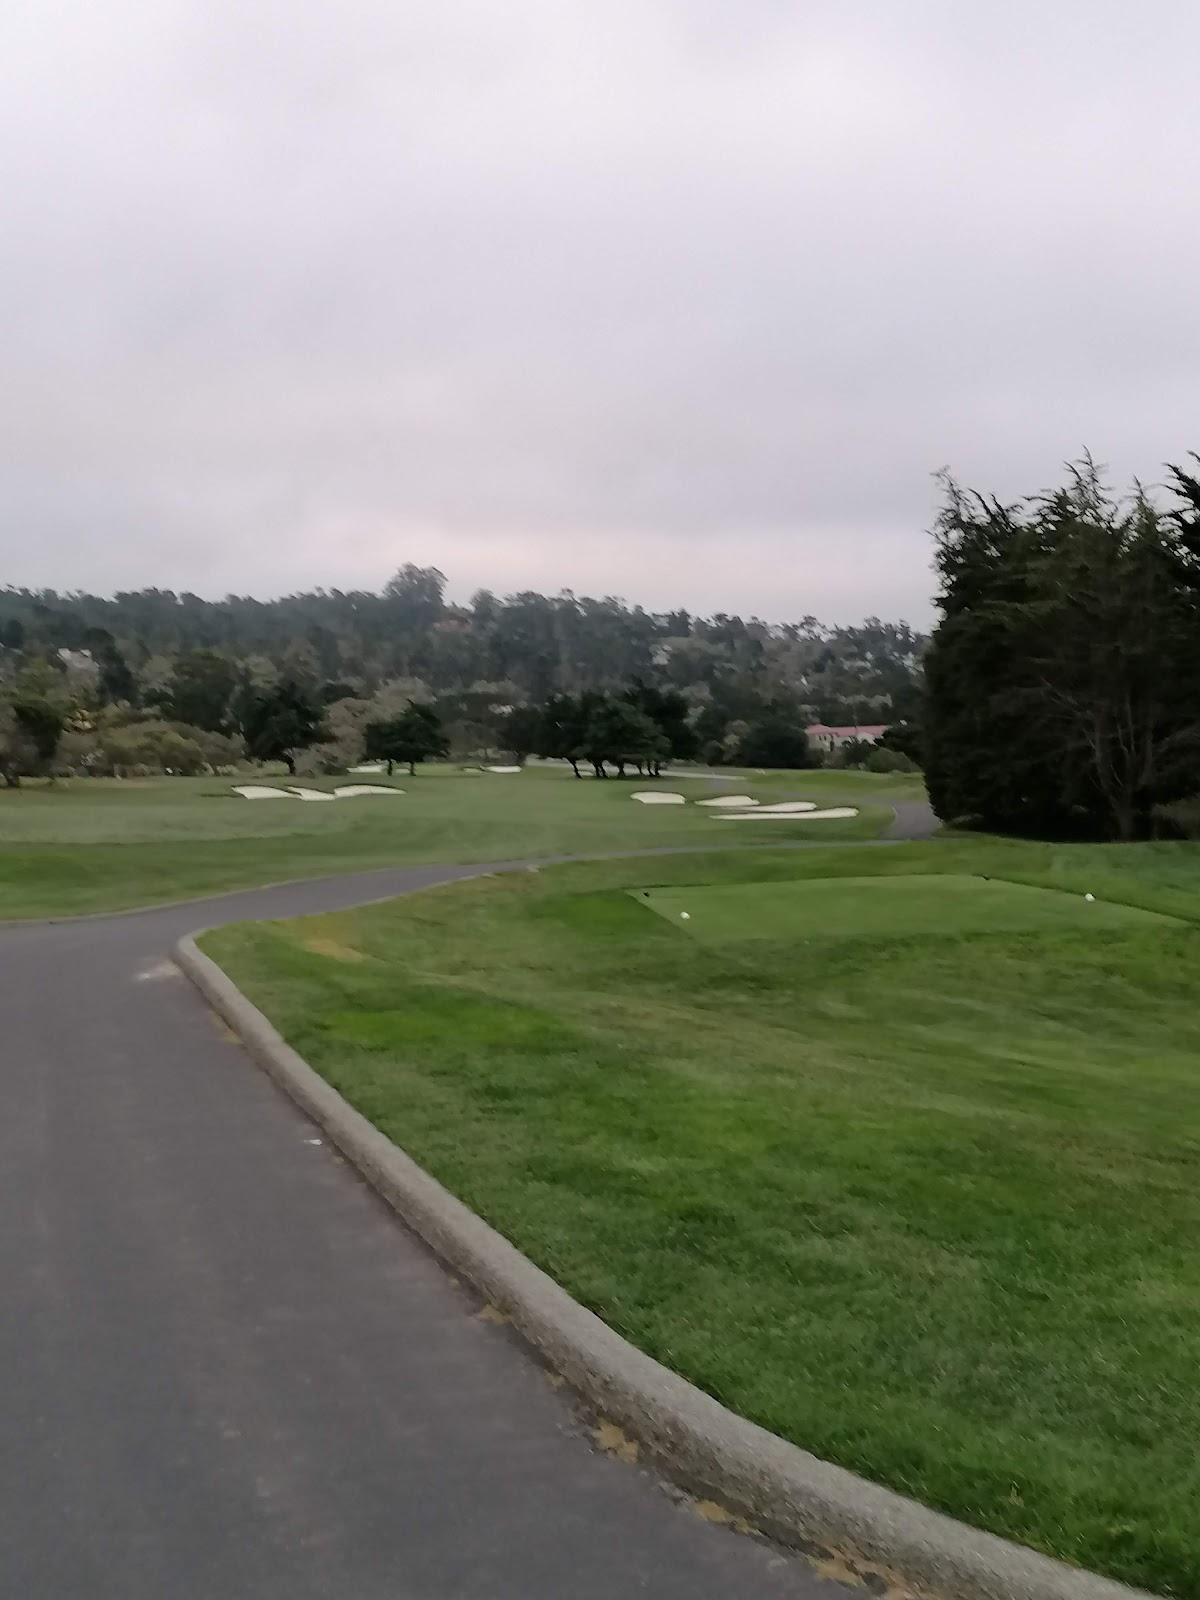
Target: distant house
{"x": 823, "y": 737}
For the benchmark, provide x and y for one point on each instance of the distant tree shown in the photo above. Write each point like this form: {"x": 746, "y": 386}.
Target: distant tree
{"x": 853, "y": 753}
{"x": 775, "y": 739}
{"x": 280, "y": 721}
{"x": 155, "y": 745}
{"x": 42, "y": 723}
{"x": 561, "y": 735}
{"x": 420, "y": 587}
{"x": 485, "y": 608}
{"x": 883, "y": 759}
{"x": 200, "y": 691}
{"x": 412, "y": 602}
{"x": 220, "y": 751}
{"x": 519, "y": 730}
{"x": 619, "y": 733}
{"x": 17, "y": 753}
{"x": 342, "y": 741}
{"x": 117, "y": 683}
{"x": 415, "y": 735}
{"x": 668, "y": 710}
{"x": 907, "y": 738}
{"x": 34, "y": 713}
{"x": 474, "y": 716}
{"x": 12, "y": 634}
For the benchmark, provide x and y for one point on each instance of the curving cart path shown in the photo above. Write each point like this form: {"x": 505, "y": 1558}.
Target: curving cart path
{"x": 227, "y": 1372}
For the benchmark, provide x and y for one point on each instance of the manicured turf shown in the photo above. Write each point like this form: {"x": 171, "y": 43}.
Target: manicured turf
{"x": 918, "y": 906}
{"x": 927, "y": 1206}
{"x": 88, "y": 845}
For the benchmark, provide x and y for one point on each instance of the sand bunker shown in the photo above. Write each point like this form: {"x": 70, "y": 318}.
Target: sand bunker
{"x": 504, "y": 769}
{"x": 347, "y": 791}
{"x": 738, "y": 801}
{"x": 765, "y": 815}
{"x": 655, "y": 797}
{"x": 368, "y": 766}
{"x": 789, "y": 807}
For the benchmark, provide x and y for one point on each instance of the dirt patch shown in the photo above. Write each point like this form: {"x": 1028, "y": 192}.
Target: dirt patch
{"x": 332, "y": 949}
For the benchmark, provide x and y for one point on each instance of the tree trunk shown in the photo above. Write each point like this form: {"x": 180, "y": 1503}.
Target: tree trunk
{"x": 290, "y": 762}
{"x": 575, "y": 766}
{"x": 1125, "y": 816}
{"x": 391, "y": 767}
{"x": 412, "y": 769}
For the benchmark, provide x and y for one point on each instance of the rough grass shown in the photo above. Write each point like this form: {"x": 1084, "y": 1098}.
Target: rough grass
{"x": 926, "y": 1206}
{"x": 93, "y": 845}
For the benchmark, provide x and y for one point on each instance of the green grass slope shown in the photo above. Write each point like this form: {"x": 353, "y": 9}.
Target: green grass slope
{"x": 91, "y": 845}
{"x": 926, "y": 1205}
{"x": 920, "y": 905}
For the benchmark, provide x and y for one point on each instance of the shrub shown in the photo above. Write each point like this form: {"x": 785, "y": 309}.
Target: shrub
{"x": 884, "y": 760}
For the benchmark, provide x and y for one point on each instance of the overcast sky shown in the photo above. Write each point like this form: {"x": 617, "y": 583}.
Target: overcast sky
{"x": 682, "y": 300}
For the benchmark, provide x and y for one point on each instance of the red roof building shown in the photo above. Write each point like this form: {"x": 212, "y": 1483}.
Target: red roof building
{"x": 825, "y": 737}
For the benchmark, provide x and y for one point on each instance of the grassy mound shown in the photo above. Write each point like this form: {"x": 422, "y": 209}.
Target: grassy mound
{"x": 919, "y": 905}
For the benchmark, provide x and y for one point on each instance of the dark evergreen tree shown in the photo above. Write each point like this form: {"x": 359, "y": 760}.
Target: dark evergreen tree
{"x": 1063, "y": 679}
{"x": 668, "y": 710}
{"x": 619, "y": 734}
{"x": 201, "y": 690}
{"x": 280, "y": 721}
{"x": 561, "y": 734}
{"x": 520, "y": 731}
{"x": 775, "y": 739}
{"x": 415, "y": 735}
{"x": 117, "y": 684}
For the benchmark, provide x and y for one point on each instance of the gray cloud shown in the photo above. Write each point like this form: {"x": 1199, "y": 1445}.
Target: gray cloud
{"x": 667, "y": 298}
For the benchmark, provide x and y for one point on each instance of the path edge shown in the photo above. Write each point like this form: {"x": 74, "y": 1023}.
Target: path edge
{"x": 782, "y": 1489}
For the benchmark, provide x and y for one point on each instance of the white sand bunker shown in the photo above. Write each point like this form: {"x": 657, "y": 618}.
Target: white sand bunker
{"x": 655, "y": 797}
{"x": 504, "y": 769}
{"x": 347, "y": 791}
{"x": 786, "y": 808}
{"x": 765, "y": 814}
{"x": 308, "y": 794}
{"x": 369, "y": 766}
{"x": 738, "y": 801}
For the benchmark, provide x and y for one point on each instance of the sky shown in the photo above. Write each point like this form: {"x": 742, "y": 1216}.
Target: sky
{"x": 680, "y": 300}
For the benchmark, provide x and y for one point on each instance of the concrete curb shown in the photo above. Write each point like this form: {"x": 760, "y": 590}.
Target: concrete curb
{"x": 788, "y": 1493}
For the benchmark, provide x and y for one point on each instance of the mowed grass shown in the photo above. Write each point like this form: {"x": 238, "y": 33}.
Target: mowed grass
{"x": 927, "y": 1206}
{"x": 918, "y": 906}
{"x": 87, "y": 845}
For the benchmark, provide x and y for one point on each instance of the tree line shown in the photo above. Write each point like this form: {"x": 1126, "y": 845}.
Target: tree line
{"x": 164, "y": 681}
{"x": 1063, "y": 678}
{"x": 535, "y": 645}
{"x": 208, "y": 718}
